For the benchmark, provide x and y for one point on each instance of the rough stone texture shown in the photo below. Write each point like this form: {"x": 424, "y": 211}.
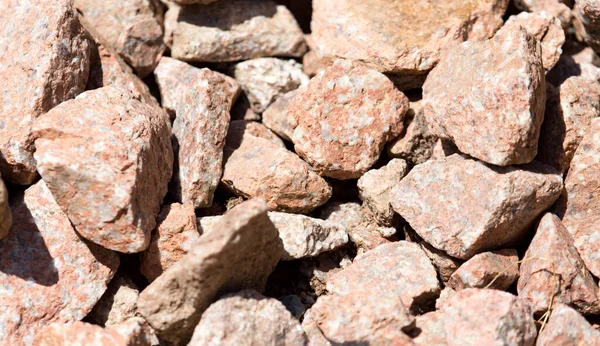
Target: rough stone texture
{"x": 304, "y": 236}
{"x": 248, "y": 318}
{"x": 199, "y": 131}
{"x": 501, "y": 202}
{"x": 403, "y": 38}
{"x": 175, "y": 78}
{"x": 588, "y": 14}
{"x": 569, "y": 111}
{"x": 278, "y": 118}
{"x": 47, "y": 272}
{"x": 130, "y": 27}
{"x": 107, "y": 159}
{"x": 239, "y": 128}
{"x": 258, "y": 168}
{"x": 375, "y": 186}
{"x": 553, "y": 271}
{"x": 345, "y": 116}
{"x": 495, "y": 270}
{"x": 44, "y": 60}
{"x": 478, "y": 317}
{"x": 313, "y": 333}
{"x": 235, "y": 30}
{"x": 174, "y": 236}
{"x": 556, "y": 8}
{"x": 416, "y": 143}
{"x": 81, "y": 333}
{"x": 362, "y": 319}
{"x": 401, "y": 269}
{"x": 495, "y": 105}
{"x": 579, "y": 204}
{"x": 567, "y": 327}
{"x": 576, "y": 60}
{"x": 264, "y": 80}
{"x": 241, "y": 254}
{"x": 117, "y": 304}
{"x": 546, "y": 28}
{"x": 5, "y": 214}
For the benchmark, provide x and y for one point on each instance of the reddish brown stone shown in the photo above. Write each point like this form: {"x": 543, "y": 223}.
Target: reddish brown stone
{"x": 345, "y": 116}
{"x": 502, "y": 202}
{"x": 313, "y": 333}
{"x": 278, "y": 117}
{"x": 556, "y": 8}
{"x": 44, "y": 60}
{"x": 495, "y": 270}
{"x": 240, "y": 255}
{"x": 576, "y": 60}
{"x": 240, "y": 128}
{"x": 567, "y": 327}
{"x": 81, "y": 333}
{"x": 107, "y": 159}
{"x": 5, "y": 214}
{"x": 489, "y": 97}
{"x": 47, "y": 272}
{"x": 588, "y": 14}
{"x": 117, "y": 304}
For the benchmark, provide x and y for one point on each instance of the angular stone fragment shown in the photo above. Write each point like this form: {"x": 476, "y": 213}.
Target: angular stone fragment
{"x": 374, "y": 189}
{"x": 403, "y": 38}
{"x": 278, "y": 118}
{"x": 501, "y": 202}
{"x": 569, "y": 111}
{"x": 495, "y": 270}
{"x": 81, "y": 333}
{"x": 175, "y": 78}
{"x": 552, "y": 271}
{"x": 235, "y": 30}
{"x": 400, "y": 269}
{"x": 576, "y": 60}
{"x": 546, "y": 28}
{"x": 241, "y": 253}
{"x": 44, "y": 60}
{"x": 264, "y": 80}
{"x": 361, "y": 318}
{"x": 107, "y": 159}
{"x": 175, "y": 235}
{"x": 304, "y": 236}
{"x": 430, "y": 327}
{"x": 588, "y": 14}
{"x": 129, "y": 27}
{"x": 556, "y": 8}
{"x": 259, "y": 168}
{"x": 444, "y": 264}
{"x": 5, "y": 214}
{"x": 240, "y": 128}
{"x": 345, "y": 116}
{"x": 313, "y": 333}
{"x": 489, "y": 97}
{"x": 199, "y": 131}
{"x": 47, "y": 272}
{"x": 117, "y": 304}
{"x": 567, "y": 327}
{"x": 579, "y": 204}
{"x": 248, "y": 318}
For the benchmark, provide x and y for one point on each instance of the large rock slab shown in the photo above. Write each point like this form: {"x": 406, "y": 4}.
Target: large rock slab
{"x": 495, "y": 270}
{"x": 489, "y": 97}
{"x": 553, "y": 272}
{"x": 248, "y": 318}
{"x": 130, "y": 27}
{"x": 235, "y": 30}
{"x": 403, "y": 38}
{"x": 107, "y": 159}
{"x": 579, "y": 204}
{"x": 344, "y": 117}
{"x": 44, "y": 60}
{"x": 47, "y": 272}
{"x": 241, "y": 253}
{"x": 464, "y": 207}
{"x": 567, "y": 327}
{"x": 258, "y": 168}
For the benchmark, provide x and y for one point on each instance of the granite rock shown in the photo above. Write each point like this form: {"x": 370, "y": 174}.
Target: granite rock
{"x": 567, "y": 327}
{"x": 81, "y": 333}
{"x": 556, "y": 8}
{"x": 495, "y": 270}
{"x": 588, "y": 14}
{"x": 118, "y": 303}
{"x": 279, "y": 119}
{"x": 576, "y": 60}
{"x": 240, "y": 128}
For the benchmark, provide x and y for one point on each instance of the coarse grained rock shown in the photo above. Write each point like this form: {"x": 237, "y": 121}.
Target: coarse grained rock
{"x": 553, "y": 271}
{"x": 175, "y": 78}
{"x": 81, "y": 333}
{"x": 248, "y": 318}
{"x": 235, "y": 30}
{"x": 399, "y": 268}
{"x": 344, "y": 117}
{"x": 567, "y": 327}
{"x": 463, "y": 206}
{"x": 258, "y": 168}
{"x": 240, "y": 128}
{"x": 5, "y": 213}
{"x": 175, "y": 235}
{"x": 588, "y": 14}
{"x": 313, "y": 333}
{"x": 50, "y": 66}
{"x": 117, "y": 304}
{"x": 375, "y": 186}
{"x": 402, "y": 38}
{"x": 489, "y": 97}
{"x": 240, "y": 253}
{"x": 557, "y": 8}
{"x": 278, "y": 118}
{"x": 130, "y": 27}
{"x": 304, "y": 236}
{"x": 430, "y": 328}
{"x": 47, "y": 272}
{"x": 569, "y": 111}
{"x": 545, "y": 28}
{"x": 495, "y": 270}
{"x": 576, "y": 60}
{"x": 578, "y": 204}
{"x": 199, "y": 132}
{"x": 107, "y": 159}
